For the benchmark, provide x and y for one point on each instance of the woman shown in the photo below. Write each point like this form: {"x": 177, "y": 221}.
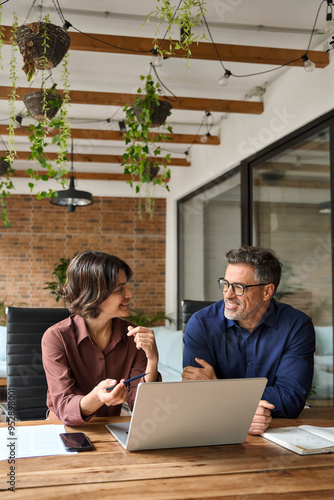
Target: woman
{"x": 94, "y": 349}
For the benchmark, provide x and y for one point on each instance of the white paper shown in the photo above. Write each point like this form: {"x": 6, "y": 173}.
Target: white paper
{"x": 31, "y": 441}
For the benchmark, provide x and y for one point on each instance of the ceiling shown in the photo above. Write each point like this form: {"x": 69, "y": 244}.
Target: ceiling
{"x": 100, "y": 78}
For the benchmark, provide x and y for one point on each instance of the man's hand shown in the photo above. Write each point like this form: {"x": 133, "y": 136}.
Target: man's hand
{"x": 262, "y": 418}
{"x": 205, "y": 373}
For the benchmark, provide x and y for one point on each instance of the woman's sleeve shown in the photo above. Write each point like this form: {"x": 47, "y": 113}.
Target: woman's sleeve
{"x": 61, "y": 386}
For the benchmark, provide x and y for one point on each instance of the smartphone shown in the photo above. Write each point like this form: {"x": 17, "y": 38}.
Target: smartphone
{"x": 76, "y": 441}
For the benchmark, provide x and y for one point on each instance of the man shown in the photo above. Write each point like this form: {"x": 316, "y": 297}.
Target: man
{"x": 250, "y": 334}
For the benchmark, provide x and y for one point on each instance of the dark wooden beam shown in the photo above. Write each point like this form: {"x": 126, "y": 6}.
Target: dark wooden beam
{"x": 119, "y": 99}
{"x": 203, "y": 50}
{"x": 91, "y": 176}
{"x": 114, "y": 135}
{"x": 97, "y": 158}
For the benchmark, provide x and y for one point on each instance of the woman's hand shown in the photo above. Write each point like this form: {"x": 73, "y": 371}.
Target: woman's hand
{"x": 99, "y": 396}
{"x": 144, "y": 339}
{"x": 115, "y": 396}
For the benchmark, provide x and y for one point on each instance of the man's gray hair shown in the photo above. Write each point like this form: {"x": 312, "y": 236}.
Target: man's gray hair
{"x": 266, "y": 264}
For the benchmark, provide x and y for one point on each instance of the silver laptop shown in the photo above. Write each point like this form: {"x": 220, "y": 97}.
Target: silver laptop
{"x": 194, "y": 413}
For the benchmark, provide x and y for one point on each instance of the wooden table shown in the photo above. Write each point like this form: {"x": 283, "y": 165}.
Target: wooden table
{"x": 255, "y": 469}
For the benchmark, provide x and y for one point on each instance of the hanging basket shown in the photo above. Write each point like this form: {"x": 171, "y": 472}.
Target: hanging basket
{"x": 30, "y": 39}
{"x": 158, "y": 112}
{"x": 153, "y": 170}
{"x": 4, "y": 166}
{"x": 34, "y": 104}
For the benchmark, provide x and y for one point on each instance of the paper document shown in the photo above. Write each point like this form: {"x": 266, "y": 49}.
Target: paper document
{"x": 31, "y": 441}
{"x": 304, "y": 440}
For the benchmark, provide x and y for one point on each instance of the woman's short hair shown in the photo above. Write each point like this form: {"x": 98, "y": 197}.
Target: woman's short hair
{"x": 90, "y": 279}
{"x": 267, "y": 266}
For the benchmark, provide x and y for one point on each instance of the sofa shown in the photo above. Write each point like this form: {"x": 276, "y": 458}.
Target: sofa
{"x": 323, "y": 363}
{"x": 169, "y": 343}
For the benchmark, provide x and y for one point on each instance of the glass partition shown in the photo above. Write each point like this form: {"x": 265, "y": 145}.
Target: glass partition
{"x": 292, "y": 215}
{"x": 209, "y": 226}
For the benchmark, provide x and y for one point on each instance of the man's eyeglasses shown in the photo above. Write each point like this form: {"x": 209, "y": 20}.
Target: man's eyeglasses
{"x": 238, "y": 288}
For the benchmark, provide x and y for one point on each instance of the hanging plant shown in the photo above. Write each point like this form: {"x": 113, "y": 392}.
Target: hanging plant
{"x": 6, "y": 184}
{"x": 39, "y": 142}
{"x": 182, "y": 17}
{"x": 144, "y": 153}
{"x": 42, "y": 105}
{"x": 42, "y": 45}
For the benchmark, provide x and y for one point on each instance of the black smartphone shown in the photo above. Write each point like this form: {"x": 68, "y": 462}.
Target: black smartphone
{"x": 76, "y": 441}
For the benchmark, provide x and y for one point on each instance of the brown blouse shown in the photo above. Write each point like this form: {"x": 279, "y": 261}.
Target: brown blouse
{"x": 74, "y": 365}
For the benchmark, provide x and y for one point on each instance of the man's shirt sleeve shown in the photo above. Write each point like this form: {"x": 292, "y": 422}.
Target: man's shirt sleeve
{"x": 293, "y": 377}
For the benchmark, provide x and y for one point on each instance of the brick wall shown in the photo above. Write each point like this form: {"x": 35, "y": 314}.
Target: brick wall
{"x": 42, "y": 233}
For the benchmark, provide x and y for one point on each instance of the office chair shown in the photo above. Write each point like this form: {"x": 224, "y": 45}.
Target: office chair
{"x": 26, "y": 381}
{"x": 189, "y": 307}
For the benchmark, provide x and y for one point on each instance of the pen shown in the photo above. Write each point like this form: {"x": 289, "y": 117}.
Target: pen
{"x": 127, "y": 381}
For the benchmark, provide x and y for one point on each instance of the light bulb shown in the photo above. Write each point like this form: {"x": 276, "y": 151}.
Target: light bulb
{"x": 158, "y": 61}
{"x": 308, "y": 65}
{"x": 204, "y": 138}
{"x": 223, "y": 81}
{"x": 329, "y": 26}
{"x": 188, "y": 157}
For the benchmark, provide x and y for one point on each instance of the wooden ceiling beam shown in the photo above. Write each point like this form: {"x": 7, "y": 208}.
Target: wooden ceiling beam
{"x": 203, "y": 50}
{"x": 92, "y": 176}
{"x": 89, "y": 176}
{"x": 114, "y": 135}
{"x": 97, "y": 158}
{"x": 119, "y": 99}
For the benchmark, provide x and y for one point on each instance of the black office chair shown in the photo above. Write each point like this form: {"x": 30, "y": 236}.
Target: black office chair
{"x": 26, "y": 381}
{"x": 189, "y": 307}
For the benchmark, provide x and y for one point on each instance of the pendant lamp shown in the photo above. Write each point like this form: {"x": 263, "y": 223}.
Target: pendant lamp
{"x": 71, "y": 197}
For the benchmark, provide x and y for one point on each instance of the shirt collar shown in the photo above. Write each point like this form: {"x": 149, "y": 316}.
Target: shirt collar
{"x": 118, "y": 331}
{"x": 269, "y": 318}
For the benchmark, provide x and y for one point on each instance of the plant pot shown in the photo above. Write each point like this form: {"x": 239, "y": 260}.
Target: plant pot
{"x": 30, "y": 38}
{"x": 158, "y": 112}
{"x": 4, "y": 166}
{"x": 153, "y": 170}
{"x": 34, "y": 104}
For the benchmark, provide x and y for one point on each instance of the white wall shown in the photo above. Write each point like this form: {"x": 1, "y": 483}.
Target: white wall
{"x": 291, "y": 101}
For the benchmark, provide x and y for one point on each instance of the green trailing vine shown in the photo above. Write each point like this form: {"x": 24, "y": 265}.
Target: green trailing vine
{"x": 183, "y": 18}
{"x": 2, "y": 34}
{"x": 39, "y": 133}
{"x": 6, "y": 184}
{"x": 143, "y": 153}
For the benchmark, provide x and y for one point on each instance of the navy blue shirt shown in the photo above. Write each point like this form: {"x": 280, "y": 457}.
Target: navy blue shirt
{"x": 280, "y": 348}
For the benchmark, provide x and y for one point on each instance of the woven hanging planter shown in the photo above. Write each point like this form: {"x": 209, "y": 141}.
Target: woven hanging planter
{"x": 153, "y": 170}
{"x": 159, "y": 112}
{"x": 30, "y": 39}
{"x": 4, "y": 166}
{"x": 34, "y": 104}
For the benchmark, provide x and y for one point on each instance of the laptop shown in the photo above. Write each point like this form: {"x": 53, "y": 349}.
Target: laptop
{"x": 190, "y": 413}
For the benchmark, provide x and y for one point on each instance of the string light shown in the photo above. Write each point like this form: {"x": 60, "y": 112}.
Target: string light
{"x": 204, "y": 138}
{"x": 188, "y": 156}
{"x": 157, "y": 60}
{"x": 329, "y": 18}
{"x": 308, "y": 65}
{"x": 223, "y": 81}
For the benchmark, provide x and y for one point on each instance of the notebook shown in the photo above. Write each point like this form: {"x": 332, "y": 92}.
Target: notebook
{"x": 192, "y": 413}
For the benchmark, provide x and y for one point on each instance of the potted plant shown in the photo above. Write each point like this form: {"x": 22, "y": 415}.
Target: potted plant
{"x": 141, "y": 318}
{"x": 144, "y": 153}
{"x": 59, "y": 272}
{"x": 43, "y": 104}
{"x": 42, "y": 45}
